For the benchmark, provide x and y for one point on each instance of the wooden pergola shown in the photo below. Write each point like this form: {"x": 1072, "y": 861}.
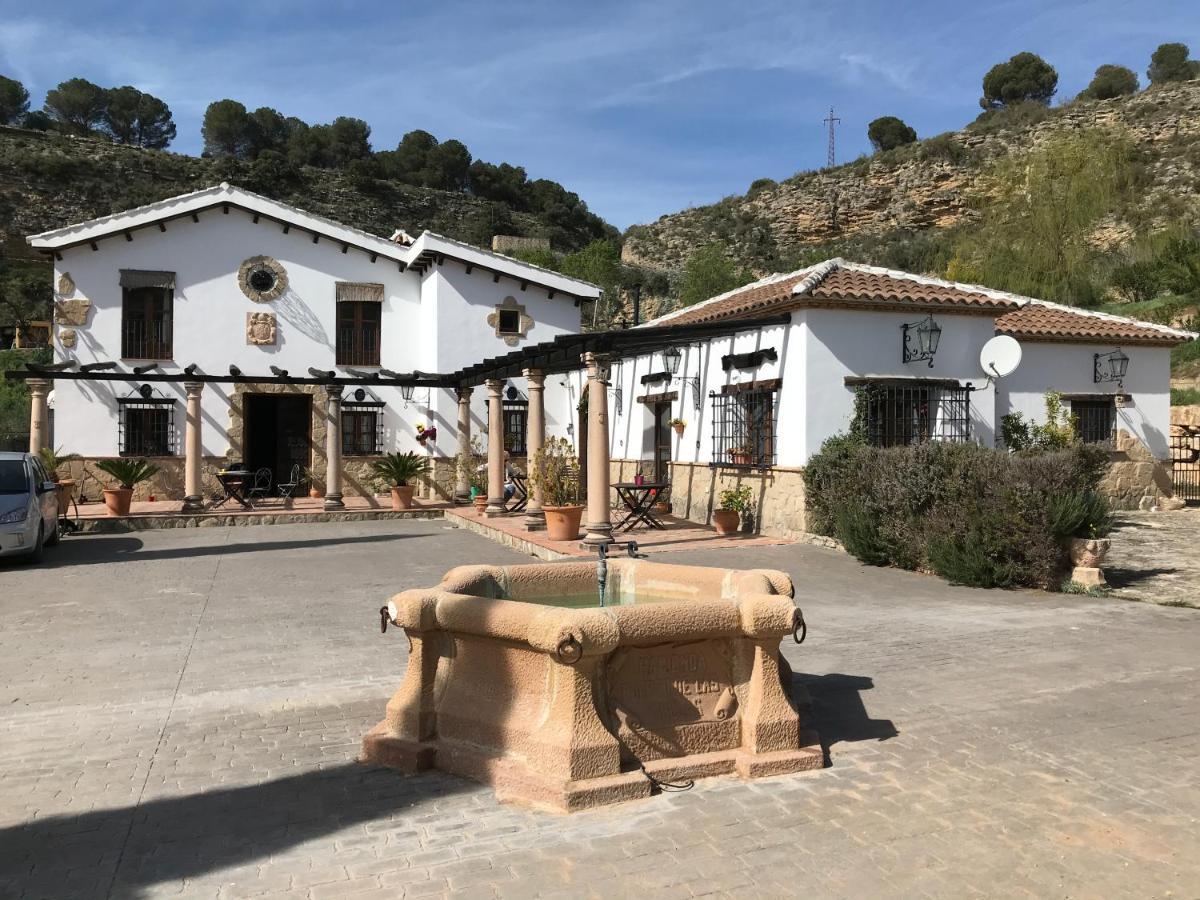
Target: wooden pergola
{"x": 592, "y": 351}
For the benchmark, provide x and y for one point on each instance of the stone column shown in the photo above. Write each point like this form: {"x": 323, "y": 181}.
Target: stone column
{"x": 39, "y": 414}
{"x": 535, "y": 437}
{"x": 599, "y": 523}
{"x": 462, "y": 484}
{"x": 193, "y": 498}
{"x": 333, "y": 449}
{"x": 495, "y": 504}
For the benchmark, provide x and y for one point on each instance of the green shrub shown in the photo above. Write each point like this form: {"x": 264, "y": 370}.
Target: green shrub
{"x": 944, "y": 147}
{"x": 973, "y": 515}
{"x": 859, "y": 533}
{"x": 1185, "y": 397}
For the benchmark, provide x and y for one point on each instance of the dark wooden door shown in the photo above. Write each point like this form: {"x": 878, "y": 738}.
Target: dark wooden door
{"x": 278, "y": 429}
{"x": 662, "y": 442}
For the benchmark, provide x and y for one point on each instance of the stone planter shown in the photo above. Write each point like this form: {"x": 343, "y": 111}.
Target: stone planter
{"x": 726, "y": 521}
{"x": 562, "y": 522}
{"x": 117, "y": 500}
{"x": 66, "y": 493}
{"x": 402, "y": 496}
{"x": 480, "y": 503}
{"x": 1089, "y": 552}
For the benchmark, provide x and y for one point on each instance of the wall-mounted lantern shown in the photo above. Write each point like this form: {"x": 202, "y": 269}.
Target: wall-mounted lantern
{"x": 1109, "y": 366}
{"x": 671, "y": 358}
{"x": 406, "y": 392}
{"x": 920, "y": 340}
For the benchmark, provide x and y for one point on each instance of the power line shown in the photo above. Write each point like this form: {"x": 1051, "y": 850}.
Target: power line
{"x": 831, "y": 120}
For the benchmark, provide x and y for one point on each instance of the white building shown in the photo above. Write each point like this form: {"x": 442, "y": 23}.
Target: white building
{"x": 225, "y": 278}
{"x": 760, "y": 401}
{"x": 231, "y": 286}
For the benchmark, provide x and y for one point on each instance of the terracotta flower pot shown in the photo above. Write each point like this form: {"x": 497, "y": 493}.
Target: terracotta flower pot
{"x": 66, "y": 493}
{"x": 662, "y": 507}
{"x": 402, "y": 495}
{"x": 480, "y": 502}
{"x": 1089, "y": 552}
{"x": 562, "y": 522}
{"x": 726, "y": 521}
{"x": 739, "y": 459}
{"x": 315, "y": 492}
{"x": 679, "y": 429}
{"x": 117, "y": 500}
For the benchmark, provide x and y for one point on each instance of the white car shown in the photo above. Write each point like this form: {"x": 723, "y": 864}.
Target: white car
{"x": 28, "y": 507}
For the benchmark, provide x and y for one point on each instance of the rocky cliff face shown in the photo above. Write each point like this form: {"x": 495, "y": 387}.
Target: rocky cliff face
{"x": 929, "y": 184}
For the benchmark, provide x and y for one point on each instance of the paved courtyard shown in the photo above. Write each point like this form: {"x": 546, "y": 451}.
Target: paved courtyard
{"x": 182, "y": 709}
{"x": 1156, "y": 557}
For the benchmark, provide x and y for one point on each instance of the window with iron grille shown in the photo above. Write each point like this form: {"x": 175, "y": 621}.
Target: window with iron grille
{"x": 744, "y": 428}
{"x": 147, "y": 428}
{"x": 146, "y": 322}
{"x": 516, "y": 419}
{"x": 362, "y": 429}
{"x": 896, "y": 414}
{"x": 358, "y": 329}
{"x": 1095, "y": 420}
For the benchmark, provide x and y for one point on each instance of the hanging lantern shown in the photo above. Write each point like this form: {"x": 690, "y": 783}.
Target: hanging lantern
{"x": 920, "y": 340}
{"x": 406, "y": 392}
{"x": 671, "y": 357}
{"x": 1109, "y": 366}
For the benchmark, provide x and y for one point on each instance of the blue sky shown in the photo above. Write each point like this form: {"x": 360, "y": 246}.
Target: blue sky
{"x": 642, "y": 108}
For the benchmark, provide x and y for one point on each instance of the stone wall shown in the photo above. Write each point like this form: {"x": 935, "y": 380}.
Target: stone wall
{"x": 695, "y": 491}
{"x": 1135, "y": 479}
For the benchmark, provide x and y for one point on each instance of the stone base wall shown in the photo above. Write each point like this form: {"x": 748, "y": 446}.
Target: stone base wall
{"x": 779, "y": 509}
{"x": 1135, "y": 478}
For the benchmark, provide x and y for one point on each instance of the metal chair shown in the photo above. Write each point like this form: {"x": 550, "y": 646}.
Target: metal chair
{"x": 262, "y": 484}
{"x": 287, "y": 488}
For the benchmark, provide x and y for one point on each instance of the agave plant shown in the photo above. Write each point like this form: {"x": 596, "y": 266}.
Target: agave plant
{"x": 400, "y": 468}
{"x": 52, "y": 459}
{"x": 128, "y": 472}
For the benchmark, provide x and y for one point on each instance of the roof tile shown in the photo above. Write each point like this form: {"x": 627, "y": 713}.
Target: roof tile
{"x": 1039, "y": 321}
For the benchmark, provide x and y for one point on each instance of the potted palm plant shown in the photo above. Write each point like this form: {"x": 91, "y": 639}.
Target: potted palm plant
{"x": 396, "y": 470}
{"x": 53, "y": 460}
{"x": 554, "y": 470}
{"x": 127, "y": 473}
{"x": 472, "y": 467}
{"x": 313, "y": 479}
{"x": 727, "y": 517}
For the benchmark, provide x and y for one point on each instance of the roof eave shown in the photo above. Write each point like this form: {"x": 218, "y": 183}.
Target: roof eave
{"x": 497, "y": 262}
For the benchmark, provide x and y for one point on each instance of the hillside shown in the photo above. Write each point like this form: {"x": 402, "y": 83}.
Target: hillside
{"x": 48, "y": 180}
{"x": 871, "y": 207}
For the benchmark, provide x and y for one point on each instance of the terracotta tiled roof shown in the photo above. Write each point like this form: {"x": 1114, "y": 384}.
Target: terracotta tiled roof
{"x": 837, "y": 283}
{"x": 1037, "y": 321}
{"x": 853, "y": 286}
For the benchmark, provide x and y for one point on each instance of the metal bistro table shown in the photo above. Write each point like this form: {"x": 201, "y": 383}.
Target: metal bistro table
{"x": 639, "y": 499}
{"x": 520, "y": 497}
{"x": 233, "y": 482}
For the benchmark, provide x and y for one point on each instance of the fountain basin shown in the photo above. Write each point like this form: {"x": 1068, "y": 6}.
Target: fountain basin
{"x": 571, "y": 706}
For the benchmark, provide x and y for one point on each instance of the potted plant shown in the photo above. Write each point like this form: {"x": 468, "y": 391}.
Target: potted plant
{"x": 678, "y": 425}
{"x": 312, "y": 479}
{"x": 472, "y": 467}
{"x": 127, "y": 472}
{"x": 426, "y": 434}
{"x": 396, "y": 470}
{"x": 554, "y": 470}
{"x": 727, "y": 517}
{"x": 1082, "y": 521}
{"x": 739, "y": 455}
{"x": 53, "y": 461}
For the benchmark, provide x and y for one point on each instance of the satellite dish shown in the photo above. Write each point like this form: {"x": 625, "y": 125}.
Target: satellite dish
{"x": 1000, "y": 356}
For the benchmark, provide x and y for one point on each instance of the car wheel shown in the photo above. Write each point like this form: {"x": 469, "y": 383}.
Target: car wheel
{"x": 54, "y": 534}
{"x": 35, "y": 555}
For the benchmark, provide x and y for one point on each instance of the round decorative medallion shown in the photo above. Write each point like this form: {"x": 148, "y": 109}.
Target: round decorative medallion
{"x": 262, "y": 279}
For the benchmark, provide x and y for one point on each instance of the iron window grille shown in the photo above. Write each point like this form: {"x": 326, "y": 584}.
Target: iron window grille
{"x": 897, "y": 414}
{"x": 146, "y": 426}
{"x": 146, "y": 322}
{"x": 744, "y": 429}
{"x": 358, "y": 332}
{"x": 516, "y": 422}
{"x": 362, "y": 428}
{"x": 1095, "y": 421}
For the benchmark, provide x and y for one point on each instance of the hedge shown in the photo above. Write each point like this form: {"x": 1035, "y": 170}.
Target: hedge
{"x": 976, "y": 516}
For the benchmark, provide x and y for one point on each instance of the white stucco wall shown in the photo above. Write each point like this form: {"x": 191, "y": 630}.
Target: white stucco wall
{"x": 435, "y": 323}
{"x": 1068, "y": 367}
{"x": 840, "y": 343}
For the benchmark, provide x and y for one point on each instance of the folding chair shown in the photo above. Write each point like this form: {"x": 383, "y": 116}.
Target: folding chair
{"x": 287, "y": 488}
{"x": 262, "y": 484}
